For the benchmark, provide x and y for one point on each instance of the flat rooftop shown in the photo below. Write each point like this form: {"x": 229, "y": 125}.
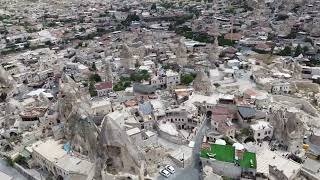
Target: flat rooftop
{"x": 53, "y": 151}
{"x": 267, "y": 157}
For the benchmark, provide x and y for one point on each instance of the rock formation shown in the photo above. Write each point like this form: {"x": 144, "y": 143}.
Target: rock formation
{"x": 288, "y": 128}
{"x": 110, "y": 147}
{"x": 7, "y": 85}
{"x": 118, "y": 152}
{"x": 202, "y": 83}
{"x": 126, "y": 57}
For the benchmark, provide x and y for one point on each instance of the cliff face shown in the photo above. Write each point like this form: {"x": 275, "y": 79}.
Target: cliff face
{"x": 7, "y": 85}
{"x": 109, "y": 148}
{"x": 288, "y": 128}
{"x": 121, "y": 154}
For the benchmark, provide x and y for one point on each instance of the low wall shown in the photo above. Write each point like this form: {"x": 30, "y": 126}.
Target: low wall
{"x": 107, "y": 176}
{"x": 308, "y": 174}
{"x": 174, "y": 139}
{"x": 223, "y": 168}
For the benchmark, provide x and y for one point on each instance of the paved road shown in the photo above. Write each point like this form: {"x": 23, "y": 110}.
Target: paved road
{"x": 10, "y": 171}
{"x": 193, "y": 171}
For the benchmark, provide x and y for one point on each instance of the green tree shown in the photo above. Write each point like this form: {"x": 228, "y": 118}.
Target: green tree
{"x": 271, "y": 36}
{"x": 130, "y": 18}
{"x": 154, "y": 6}
{"x": 286, "y": 51}
{"x": 231, "y": 10}
{"x": 186, "y": 79}
{"x": 145, "y": 75}
{"x": 305, "y": 49}
{"x": 95, "y": 78}
{"x": 92, "y": 89}
{"x": 9, "y": 161}
{"x": 139, "y": 76}
{"x": 93, "y": 66}
{"x": 225, "y": 42}
{"x": 298, "y": 51}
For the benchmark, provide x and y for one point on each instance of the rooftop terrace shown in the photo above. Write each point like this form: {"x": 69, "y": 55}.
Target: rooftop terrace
{"x": 226, "y": 153}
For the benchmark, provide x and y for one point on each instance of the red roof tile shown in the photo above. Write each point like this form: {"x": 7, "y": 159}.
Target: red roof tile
{"x": 234, "y": 36}
{"x": 104, "y": 85}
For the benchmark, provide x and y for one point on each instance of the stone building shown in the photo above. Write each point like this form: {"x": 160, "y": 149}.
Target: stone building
{"x": 262, "y": 130}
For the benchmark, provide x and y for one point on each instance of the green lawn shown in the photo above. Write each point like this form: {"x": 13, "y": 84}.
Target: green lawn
{"x": 222, "y": 153}
{"x": 227, "y": 154}
{"x": 245, "y": 162}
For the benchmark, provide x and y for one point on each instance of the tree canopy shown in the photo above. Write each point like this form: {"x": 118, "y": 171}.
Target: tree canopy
{"x": 286, "y": 51}
{"x": 186, "y": 79}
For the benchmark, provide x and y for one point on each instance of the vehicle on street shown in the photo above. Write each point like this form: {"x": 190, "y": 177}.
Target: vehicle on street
{"x": 170, "y": 169}
{"x": 165, "y": 173}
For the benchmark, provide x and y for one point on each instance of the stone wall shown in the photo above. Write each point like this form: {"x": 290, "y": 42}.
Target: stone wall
{"x": 308, "y": 175}
{"x": 107, "y": 176}
{"x": 174, "y": 139}
{"x": 223, "y": 168}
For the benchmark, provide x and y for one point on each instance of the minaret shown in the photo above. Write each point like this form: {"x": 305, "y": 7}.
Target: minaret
{"x": 107, "y": 70}
{"x": 126, "y": 57}
{"x": 216, "y": 30}
{"x": 182, "y": 53}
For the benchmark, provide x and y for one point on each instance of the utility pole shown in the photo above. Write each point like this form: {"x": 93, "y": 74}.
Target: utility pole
{"x": 183, "y": 160}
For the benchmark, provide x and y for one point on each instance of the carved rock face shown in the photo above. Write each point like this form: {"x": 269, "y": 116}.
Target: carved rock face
{"x": 123, "y": 154}
{"x": 109, "y": 148}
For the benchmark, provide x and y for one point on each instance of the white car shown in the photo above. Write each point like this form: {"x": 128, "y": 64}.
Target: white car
{"x": 170, "y": 169}
{"x": 165, "y": 173}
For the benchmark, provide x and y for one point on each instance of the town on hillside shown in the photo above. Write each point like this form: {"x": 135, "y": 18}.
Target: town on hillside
{"x": 159, "y": 89}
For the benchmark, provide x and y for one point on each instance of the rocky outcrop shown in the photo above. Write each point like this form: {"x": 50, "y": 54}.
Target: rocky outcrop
{"x": 109, "y": 148}
{"x": 7, "y": 85}
{"x": 202, "y": 83}
{"x": 118, "y": 152}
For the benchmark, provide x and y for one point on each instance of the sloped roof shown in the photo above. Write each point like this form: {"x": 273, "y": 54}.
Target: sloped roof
{"x": 104, "y": 85}
{"x": 246, "y": 112}
{"x": 143, "y": 88}
{"x": 145, "y": 108}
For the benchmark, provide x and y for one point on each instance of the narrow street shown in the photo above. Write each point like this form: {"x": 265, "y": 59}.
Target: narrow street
{"x": 193, "y": 171}
{"x": 10, "y": 171}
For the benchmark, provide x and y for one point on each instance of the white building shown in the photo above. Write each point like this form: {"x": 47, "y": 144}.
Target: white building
{"x": 172, "y": 78}
{"x": 262, "y": 130}
{"x": 51, "y": 156}
{"x": 307, "y": 72}
{"x": 233, "y": 63}
{"x": 158, "y": 81}
{"x": 280, "y": 88}
{"x": 121, "y": 16}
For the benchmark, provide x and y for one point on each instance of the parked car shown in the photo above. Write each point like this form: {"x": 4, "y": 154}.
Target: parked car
{"x": 165, "y": 173}
{"x": 170, "y": 169}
